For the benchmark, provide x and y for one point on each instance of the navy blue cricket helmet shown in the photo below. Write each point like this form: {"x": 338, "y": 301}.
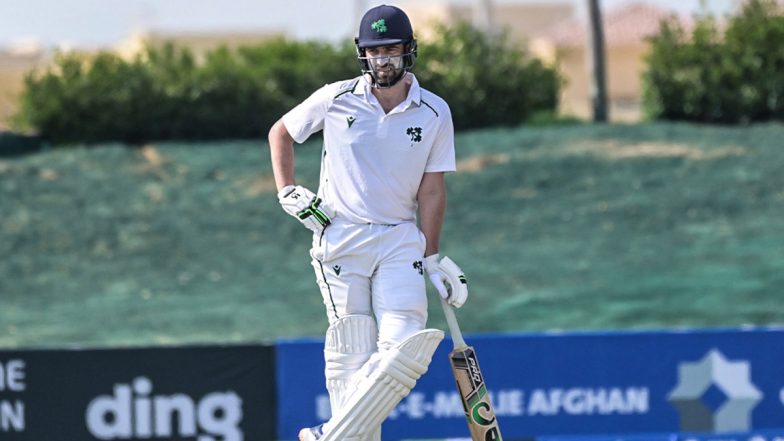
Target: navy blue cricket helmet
{"x": 385, "y": 25}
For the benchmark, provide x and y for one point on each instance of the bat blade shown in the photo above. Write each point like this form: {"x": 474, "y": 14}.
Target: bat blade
{"x": 482, "y": 422}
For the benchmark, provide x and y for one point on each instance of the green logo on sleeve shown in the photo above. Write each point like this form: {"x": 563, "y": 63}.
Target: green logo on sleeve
{"x": 350, "y": 120}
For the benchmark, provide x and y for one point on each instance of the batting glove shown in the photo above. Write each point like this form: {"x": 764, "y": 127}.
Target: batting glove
{"x": 448, "y": 279}
{"x": 307, "y": 207}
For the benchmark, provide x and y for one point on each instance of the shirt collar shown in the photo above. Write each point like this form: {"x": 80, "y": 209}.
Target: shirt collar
{"x": 414, "y": 92}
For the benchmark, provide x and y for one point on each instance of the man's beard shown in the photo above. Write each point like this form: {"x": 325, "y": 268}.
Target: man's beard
{"x": 389, "y": 73}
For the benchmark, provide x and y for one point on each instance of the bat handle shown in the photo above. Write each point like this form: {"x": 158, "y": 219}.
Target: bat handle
{"x": 454, "y": 328}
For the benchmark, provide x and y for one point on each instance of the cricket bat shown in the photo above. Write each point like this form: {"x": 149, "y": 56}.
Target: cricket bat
{"x": 479, "y": 413}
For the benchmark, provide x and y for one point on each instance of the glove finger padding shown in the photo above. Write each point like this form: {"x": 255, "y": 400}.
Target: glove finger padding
{"x": 301, "y": 203}
{"x": 456, "y": 282}
{"x": 438, "y": 282}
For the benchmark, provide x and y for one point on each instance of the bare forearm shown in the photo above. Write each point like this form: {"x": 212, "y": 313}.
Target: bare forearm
{"x": 432, "y": 208}
{"x": 281, "y": 155}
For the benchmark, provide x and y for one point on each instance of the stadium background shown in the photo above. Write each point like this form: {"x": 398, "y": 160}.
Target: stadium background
{"x": 604, "y": 259}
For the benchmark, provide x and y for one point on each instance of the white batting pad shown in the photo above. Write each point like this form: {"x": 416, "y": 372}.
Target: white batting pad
{"x": 349, "y": 343}
{"x": 377, "y": 394}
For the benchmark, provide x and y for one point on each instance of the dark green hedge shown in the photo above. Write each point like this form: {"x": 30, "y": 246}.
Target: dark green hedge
{"x": 16, "y": 144}
{"x": 731, "y": 73}
{"x": 166, "y": 94}
{"x": 486, "y": 79}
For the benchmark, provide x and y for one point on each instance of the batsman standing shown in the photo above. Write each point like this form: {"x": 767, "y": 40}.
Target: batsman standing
{"x": 376, "y": 222}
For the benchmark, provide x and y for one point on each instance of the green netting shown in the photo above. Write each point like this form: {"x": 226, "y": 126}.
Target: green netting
{"x": 578, "y": 227}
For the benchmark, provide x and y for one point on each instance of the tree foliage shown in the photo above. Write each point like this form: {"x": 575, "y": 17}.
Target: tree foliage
{"x": 715, "y": 75}
{"x": 486, "y": 79}
{"x": 167, "y": 93}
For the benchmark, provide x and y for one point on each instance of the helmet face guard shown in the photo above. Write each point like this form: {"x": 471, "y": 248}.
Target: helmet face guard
{"x": 372, "y": 67}
{"x": 385, "y": 26}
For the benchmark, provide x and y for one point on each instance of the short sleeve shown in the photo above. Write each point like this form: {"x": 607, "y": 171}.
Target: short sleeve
{"x": 308, "y": 117}
{"x": 442, "y": 154}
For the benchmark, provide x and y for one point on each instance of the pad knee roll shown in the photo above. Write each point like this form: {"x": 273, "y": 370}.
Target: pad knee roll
{"x": 349, "y": 343}
{"x": 376, "y": 395}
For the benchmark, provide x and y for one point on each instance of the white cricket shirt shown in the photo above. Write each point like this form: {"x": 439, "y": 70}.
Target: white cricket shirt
{"x": 373, "y": 162}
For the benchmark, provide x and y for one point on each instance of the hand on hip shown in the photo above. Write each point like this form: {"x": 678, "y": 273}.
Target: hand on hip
{"x": 308, "y": 208}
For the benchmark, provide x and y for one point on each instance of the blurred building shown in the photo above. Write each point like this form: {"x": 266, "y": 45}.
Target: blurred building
{"x": 523, "y": 20}
{"x": 200, "y": 43}
{"x": 626, "y": 30}
{"x": 555, "y": 32}
{"x": 552, "y": 30}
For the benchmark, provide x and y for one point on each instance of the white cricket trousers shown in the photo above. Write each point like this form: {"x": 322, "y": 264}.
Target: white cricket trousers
{"x": 374, "y": 270}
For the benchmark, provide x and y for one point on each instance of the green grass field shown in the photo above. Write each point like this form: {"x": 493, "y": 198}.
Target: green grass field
{"x": 557, "y": 228}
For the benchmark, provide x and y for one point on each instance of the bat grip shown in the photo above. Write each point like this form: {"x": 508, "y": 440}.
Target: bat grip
{"x": 454, "y": 328}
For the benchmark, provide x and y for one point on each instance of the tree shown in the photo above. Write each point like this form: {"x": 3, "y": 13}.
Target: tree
{"x": 599, "y": 89}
